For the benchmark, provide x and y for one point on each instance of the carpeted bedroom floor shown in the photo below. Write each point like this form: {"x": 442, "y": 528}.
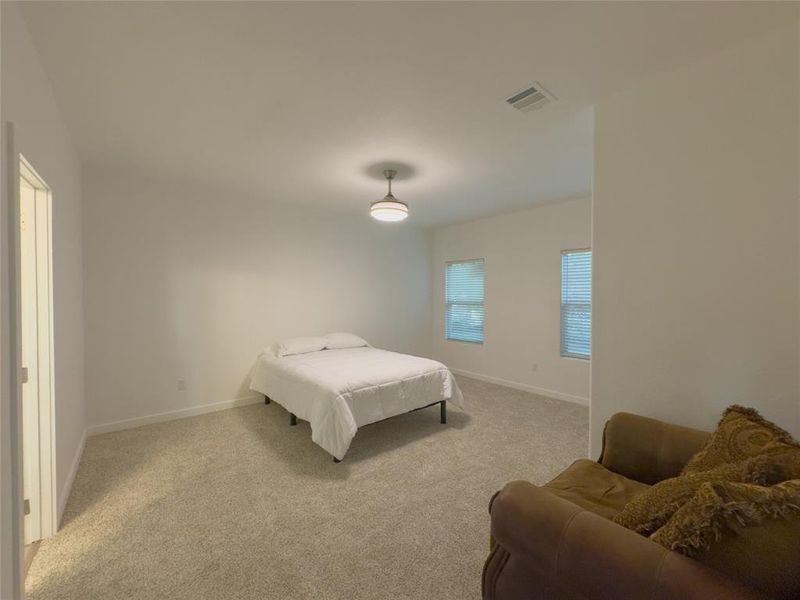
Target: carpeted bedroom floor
{"x": 237, "y": 504}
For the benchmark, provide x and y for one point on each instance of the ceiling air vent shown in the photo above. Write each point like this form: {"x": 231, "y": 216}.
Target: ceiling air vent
{"x": 532, "y": 98}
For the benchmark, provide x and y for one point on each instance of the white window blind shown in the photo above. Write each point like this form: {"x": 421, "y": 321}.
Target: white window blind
{"x": 464, "y": 301}
{"x": 576, "y": 303}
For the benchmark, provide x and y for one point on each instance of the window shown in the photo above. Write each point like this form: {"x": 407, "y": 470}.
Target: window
{"x": 576, "y": 303}
{"x": 464, "y": 301}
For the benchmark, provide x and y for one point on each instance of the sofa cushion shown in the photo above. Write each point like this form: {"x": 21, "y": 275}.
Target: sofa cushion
{"x": 593, "y": 487}
{"x": 653, "y": 508}
{"x": 742, "y": 433}
{"x": 748, "y": 532}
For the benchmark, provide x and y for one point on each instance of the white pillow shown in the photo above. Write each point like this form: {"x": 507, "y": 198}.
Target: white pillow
{"x": 337, "y": 341}
{"x": 300, "y": 345}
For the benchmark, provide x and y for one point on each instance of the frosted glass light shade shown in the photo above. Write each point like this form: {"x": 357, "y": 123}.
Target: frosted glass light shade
{"x": 389, "y": 209}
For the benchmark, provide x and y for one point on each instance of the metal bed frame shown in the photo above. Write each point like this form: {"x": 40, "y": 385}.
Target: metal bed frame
{"x": 442, "y": 415}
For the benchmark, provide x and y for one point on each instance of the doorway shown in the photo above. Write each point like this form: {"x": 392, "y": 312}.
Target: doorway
{"x": 38, "y": 460}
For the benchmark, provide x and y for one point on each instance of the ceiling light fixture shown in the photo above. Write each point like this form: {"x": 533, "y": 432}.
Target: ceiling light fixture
{"x": 390, "y": 208}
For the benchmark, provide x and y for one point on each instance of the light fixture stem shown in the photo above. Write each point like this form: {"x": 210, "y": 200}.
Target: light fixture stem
{"x": 389, "y": 174}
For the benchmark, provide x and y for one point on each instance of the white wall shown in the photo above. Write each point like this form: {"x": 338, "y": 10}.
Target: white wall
{"x": 41, "y": 136}
{"x": 188, "y": 282}
{"x": 522, "y": 251}
{"x": 696, "y": 240}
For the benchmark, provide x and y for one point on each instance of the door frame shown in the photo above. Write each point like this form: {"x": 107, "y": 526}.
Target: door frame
{"x": 45, "y": 487}
{"x": 11, "y": 578}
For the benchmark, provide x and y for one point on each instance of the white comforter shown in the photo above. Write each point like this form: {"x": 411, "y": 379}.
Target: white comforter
{"x": 337, "y": 391}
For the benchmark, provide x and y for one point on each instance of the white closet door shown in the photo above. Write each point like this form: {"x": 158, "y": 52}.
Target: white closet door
{"x": 30, "y": 359}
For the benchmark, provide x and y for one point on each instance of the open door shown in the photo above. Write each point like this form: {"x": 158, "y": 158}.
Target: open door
{"x": 36, "y": 329}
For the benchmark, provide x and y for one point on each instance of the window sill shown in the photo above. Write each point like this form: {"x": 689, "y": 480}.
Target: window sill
{"x": 464, "y": 341}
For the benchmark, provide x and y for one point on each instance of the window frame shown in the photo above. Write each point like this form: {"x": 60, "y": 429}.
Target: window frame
{"x": 561, "y": 304}
{"x": 482, "y": 304}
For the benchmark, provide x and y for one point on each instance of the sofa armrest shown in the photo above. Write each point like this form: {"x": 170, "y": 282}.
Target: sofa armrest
{"x": 571, "y": 549}
{"x": 648, "y": 450}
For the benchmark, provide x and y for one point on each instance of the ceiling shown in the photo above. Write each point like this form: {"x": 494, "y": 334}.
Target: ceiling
{"x": 308, "y": 102}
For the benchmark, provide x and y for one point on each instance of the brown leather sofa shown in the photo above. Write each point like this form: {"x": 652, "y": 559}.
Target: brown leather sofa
{"x": 557, "y": 541}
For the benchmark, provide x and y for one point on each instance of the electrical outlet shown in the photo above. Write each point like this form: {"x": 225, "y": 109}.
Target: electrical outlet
{"x": 181, "y": 385}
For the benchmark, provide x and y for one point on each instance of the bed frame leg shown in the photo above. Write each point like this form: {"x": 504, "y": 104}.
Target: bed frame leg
{"x": 443, "y": 416}
{"x": 292, "y": 419}
{"x": 336, "y": 460}
{"x": 266, "y": 399}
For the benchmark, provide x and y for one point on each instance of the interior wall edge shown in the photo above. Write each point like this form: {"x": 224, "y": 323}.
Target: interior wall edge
{"x": 705, "y": 189}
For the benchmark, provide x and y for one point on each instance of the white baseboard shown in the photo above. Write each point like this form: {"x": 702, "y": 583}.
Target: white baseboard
{"x": 173, "y": 414}
{"x": 67, "y": 489}
{"x": 524, "y": 387}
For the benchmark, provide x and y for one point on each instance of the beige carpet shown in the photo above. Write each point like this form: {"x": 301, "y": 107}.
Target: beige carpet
{"x": 237, "y": 504}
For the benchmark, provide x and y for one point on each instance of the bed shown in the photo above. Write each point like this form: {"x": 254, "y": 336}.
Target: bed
{"x": 338, "y": 390}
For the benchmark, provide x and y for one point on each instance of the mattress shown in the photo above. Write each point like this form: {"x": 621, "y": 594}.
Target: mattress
{"x": 338, "y": 391}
